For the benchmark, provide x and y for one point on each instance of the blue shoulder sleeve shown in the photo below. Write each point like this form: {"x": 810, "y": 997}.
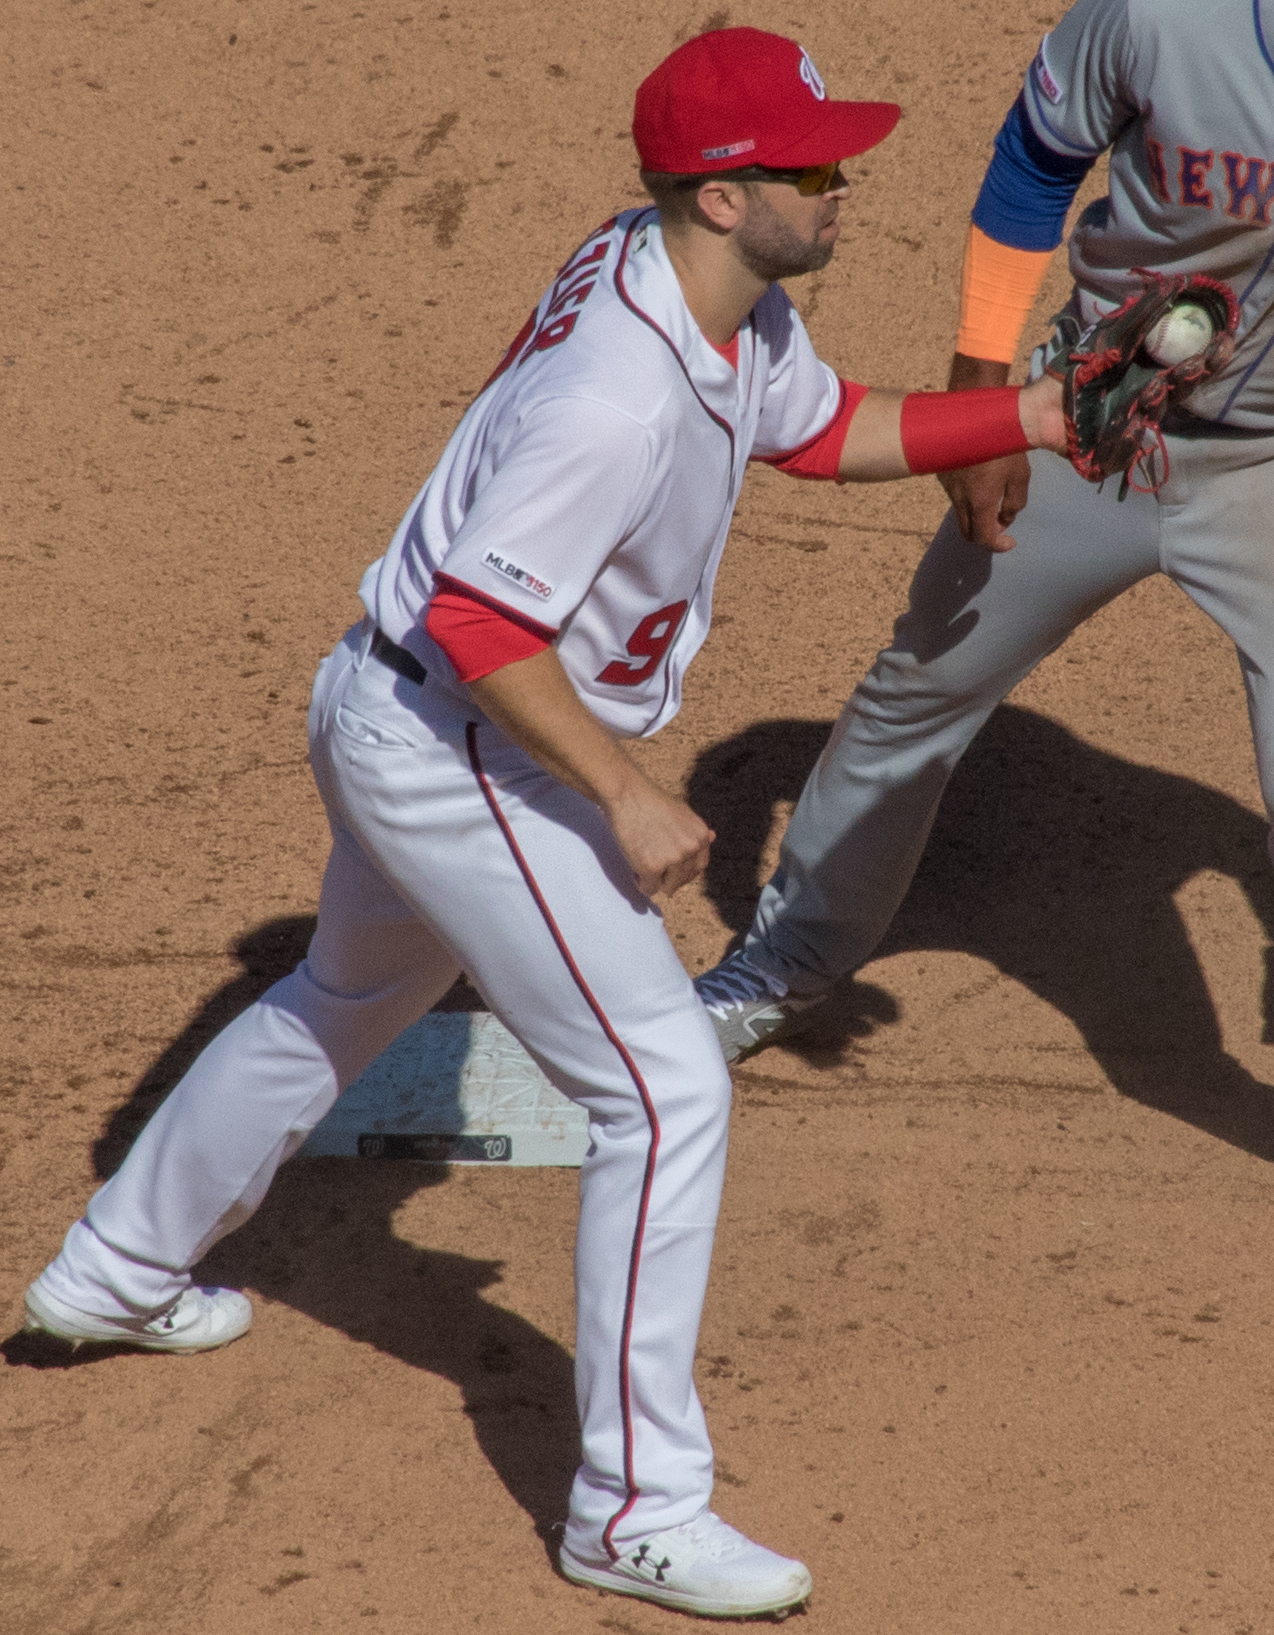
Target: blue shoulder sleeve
{"x": 1028, "y": 187}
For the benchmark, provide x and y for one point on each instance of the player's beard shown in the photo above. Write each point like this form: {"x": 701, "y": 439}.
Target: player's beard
{"x": 771, "y": 248}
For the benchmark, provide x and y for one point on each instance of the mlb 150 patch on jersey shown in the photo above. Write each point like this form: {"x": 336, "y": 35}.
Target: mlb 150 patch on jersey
{"x": 1047, "y": 84}
{"x": 520, "y": 576}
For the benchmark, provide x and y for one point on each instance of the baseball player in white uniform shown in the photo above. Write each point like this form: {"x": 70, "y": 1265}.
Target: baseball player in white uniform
{"x": 1181, "y": 92}
{"x": 538, "y": 605}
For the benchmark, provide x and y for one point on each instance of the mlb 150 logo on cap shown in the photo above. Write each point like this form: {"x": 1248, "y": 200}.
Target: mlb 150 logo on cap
{"x": 729, "y": 152}
{"x": 811, "y": 76}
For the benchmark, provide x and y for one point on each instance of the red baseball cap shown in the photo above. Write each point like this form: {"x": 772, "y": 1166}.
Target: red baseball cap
{"x": 739, "y": 96}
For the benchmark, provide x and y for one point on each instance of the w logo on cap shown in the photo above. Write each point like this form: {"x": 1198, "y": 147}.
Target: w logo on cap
{"x": 811, "y": 76}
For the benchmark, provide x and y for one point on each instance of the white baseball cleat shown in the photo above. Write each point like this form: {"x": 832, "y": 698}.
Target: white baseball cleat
{"x": 704, "y": 1566}
{"x": 201, "y": 1320}
{"x": 747, "y": 1006}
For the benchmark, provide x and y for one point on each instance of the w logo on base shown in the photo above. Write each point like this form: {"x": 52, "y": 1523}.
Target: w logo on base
{"x": 811, "y": 76}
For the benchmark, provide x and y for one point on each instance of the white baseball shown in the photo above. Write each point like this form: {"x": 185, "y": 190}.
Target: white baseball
{"x": 1180, "y": 334}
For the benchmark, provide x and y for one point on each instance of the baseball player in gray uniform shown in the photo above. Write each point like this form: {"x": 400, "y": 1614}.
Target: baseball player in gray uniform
{"x": 1181, "y": 92}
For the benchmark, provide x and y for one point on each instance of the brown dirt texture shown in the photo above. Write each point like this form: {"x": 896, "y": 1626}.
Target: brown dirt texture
{"x": 988, "y": 1342}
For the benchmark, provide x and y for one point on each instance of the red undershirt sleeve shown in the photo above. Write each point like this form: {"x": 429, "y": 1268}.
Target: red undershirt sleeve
{"x": 478, "y": 634}
{"x": 819, "y": 459}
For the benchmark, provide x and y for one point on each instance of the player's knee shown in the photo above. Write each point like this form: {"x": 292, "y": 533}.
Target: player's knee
{"x": 704, "y": 1095}
{"x": 687, "y": 1081}
{"x": 350, "y": 1030}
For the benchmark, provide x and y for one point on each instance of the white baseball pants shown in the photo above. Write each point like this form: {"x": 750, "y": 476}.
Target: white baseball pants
{"x": 453, "y": 850}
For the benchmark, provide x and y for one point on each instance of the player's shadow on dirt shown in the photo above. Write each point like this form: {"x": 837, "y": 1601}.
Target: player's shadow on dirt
{"x": 1057, "y": 863}
{"x": 324, "y": 1243}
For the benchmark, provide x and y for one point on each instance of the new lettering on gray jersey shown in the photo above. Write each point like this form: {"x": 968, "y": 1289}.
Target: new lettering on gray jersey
{"x": 1182, "y": 93}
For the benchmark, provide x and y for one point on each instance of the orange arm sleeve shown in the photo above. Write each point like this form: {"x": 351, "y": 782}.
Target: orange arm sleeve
{"x": 997, "y": 291}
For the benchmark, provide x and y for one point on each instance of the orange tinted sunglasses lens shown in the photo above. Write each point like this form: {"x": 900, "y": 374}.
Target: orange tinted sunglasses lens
{"x": 817, "y": 179}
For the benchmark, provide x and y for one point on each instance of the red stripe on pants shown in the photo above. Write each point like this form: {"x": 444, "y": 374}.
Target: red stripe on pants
{"x": 634, "y": 1259}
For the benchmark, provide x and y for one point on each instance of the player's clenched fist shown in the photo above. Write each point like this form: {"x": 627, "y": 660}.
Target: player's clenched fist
{"x": 666, "y": 843}
{"x": 536, "y": 705}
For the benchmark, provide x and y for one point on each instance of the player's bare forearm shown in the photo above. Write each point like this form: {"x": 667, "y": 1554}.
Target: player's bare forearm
{"x": 986, "y": 498}
{"x": 534, "y": 702}
{"x": 874, "y": 451}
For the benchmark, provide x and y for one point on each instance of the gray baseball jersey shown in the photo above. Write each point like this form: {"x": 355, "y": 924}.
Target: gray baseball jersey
{"x": 1182, "y": 93}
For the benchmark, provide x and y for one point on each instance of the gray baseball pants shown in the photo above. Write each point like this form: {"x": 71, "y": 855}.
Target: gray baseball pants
{"x": 976, "y": 624}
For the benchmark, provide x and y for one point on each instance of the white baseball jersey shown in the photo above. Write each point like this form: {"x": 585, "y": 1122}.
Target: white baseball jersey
{"x": 1182, "y": 92}
{"x": 589, "y": 487}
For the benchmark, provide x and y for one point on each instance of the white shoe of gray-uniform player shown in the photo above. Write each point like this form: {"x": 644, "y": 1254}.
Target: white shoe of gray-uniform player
{"x": 704, "y": 1566}
{"x": 203, "y": 1319}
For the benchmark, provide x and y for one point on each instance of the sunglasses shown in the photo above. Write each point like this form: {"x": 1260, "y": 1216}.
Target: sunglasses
{"x": 809, "y": 180}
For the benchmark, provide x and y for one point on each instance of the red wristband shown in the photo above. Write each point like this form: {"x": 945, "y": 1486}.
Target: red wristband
{"x": 942, "y": 431}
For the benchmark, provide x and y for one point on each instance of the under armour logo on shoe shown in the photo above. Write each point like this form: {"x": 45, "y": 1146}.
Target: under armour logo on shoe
{"x": 643, "y": 1558}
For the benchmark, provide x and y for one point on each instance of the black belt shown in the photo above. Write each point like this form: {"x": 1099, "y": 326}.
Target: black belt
{"x": 405, "y": 664}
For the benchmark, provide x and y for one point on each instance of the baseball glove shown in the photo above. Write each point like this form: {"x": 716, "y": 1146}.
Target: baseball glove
{"x": 1116, "y": 394}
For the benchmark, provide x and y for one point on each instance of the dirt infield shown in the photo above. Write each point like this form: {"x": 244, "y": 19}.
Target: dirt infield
{"x": 988, "y": 1341}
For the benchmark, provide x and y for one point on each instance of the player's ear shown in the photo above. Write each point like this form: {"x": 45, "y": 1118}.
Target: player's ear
{"x": 723, "y": 203}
